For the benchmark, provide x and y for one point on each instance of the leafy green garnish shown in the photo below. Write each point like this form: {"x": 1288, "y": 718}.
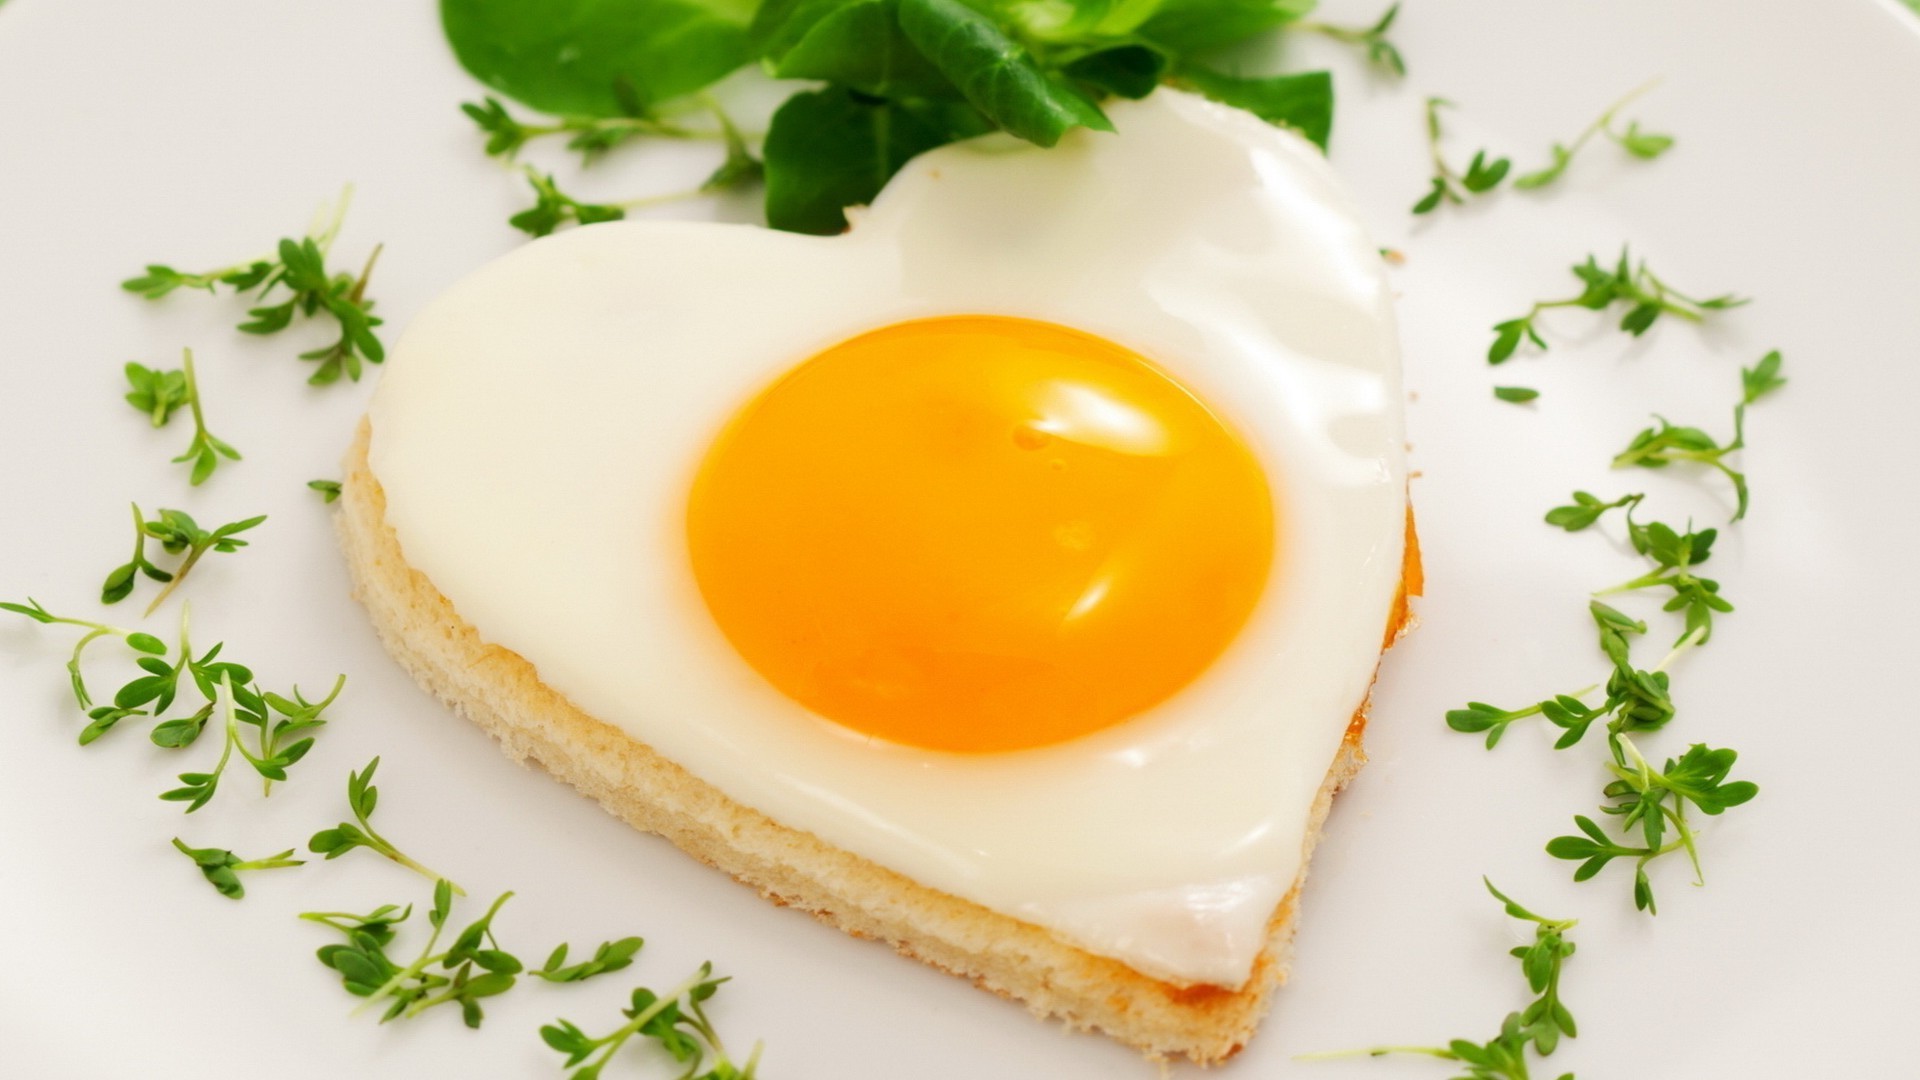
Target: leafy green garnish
{"x": 157, "y": 393}
{"x": 362, "y": 798}
{"x": 1654, "y": 801}
{"x": 472, "y": 969}
{"x": 1636, "y": 699}
{"x": 1447, "y": 184}
{"x": 681, "y": 1030}
{"x": 1539, "y": 1026}
{"x": 1641, "y": 144}
{"x": 226, "y": 688}
{"x": 902, "y": 77}
{"x": 1762, "y": 378}
{"x": 222, "y": 868}
{"x": 299, "y": 271}
{"x": 590, "y": 58}
{"x": 235, "y": 704}
{"x": 1516, "y": 394}
{"x": 1587, "y": 508}
{"x": 553, "y": 208}
{"x": 1302, "y": 102}
{"x": 833, "y": 148}
{"x": 1373, "y": 38}
{"x": 329, "y": 489}
{"x": 160, "y": 394}
{"x": 1626, "y": 282}
{"x": 177, "y": 532}
{"x": 1667, "y": 443}
{"x": 610, "y": 956}
{"x": 995, "y": 74}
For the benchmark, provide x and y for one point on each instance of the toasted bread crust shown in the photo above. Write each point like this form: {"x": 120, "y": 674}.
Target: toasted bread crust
{"x": 500, "y": 691}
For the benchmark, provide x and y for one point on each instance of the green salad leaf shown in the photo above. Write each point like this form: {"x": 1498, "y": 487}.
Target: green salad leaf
{"x": 901, "y": 77}
{"x": 597, "y": 57}
{"x": 835, "y": 148}
{"x": 859, "y": 45}
{"x": 1303, "y": 102}
{"x": 1189, "y": 26}
{"x": 1000, "y": 78}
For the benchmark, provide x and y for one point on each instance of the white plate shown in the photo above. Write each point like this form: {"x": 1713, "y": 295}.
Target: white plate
{"x": 195, "y": 131}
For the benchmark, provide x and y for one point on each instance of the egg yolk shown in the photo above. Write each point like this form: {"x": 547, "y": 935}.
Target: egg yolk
{"x": 979, "y": 533}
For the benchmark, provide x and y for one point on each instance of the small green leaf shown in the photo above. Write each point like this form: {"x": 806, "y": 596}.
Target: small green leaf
{"x": 1303, "y": 102}
{"x": 996, "y": 74}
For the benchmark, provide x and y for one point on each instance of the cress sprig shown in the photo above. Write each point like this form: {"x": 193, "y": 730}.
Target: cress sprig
{"x": 1645, "y": 145}
{"x": 1538, "y": 1027}
{"x": 1668, "y": 443}
{"x": 590, "y": 136}
{"x": 1486, "y": 172}
{"x": 177, "y": 532}
{"x": 222, "y": 868}
{"x": 683, "y": 1031}
{"x": 362, "y": 798}
{"x": 472, "y": 969}
{"x": 1381, "y": 53}
{"x": 1654, "y": 801}
{"x": 1627, "y": 282}
{"x": 1636, "y": 699}
{"x": 553, "y": 208}
{"x": 159, "y": 394}
{"x": 1448, "y": 184}
{"x": 294, "y": 282}
{"x": 226, "y": 689}
{"x": 610, "y": 956}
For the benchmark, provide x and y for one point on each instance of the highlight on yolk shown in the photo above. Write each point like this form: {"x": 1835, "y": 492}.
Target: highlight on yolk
{"x": 979, "y": 533}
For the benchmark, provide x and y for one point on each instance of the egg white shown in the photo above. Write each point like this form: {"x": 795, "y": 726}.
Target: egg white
{"x": 538, "y": 426}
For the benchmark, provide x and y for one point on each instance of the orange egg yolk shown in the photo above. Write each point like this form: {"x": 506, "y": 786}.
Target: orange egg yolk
{"x": 979, "y": 533}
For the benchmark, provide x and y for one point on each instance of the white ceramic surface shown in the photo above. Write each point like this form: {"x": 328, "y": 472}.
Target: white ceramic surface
{"x": 192, "y": 132}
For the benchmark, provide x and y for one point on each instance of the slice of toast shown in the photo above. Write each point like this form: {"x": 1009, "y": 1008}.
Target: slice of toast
{"x": 500, "y": 691}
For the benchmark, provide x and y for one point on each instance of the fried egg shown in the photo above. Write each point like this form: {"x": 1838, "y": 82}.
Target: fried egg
{"x": 1033, "y": 539}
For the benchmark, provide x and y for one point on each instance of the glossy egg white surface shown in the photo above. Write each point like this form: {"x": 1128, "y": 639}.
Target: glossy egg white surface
{"x": 538, "y": 426}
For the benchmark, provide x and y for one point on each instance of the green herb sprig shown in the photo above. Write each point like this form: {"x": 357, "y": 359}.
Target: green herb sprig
{"x": 329, "y": 489}
{"x": 1654, "y": 801}
{"x": 471, "y": 970}
{"x": 284, "y": 725}
{"x": 1645, "y": 145}
{"x": 610, "y": 956}
{"x": 362, "y": 798}
{"x": 682, "y": 1030}
{"x": 295, "y": 282}
{"x": 1538, "y": 1027}
{"x": 1449, "y": 185}
{"x": 590, "y": 136}
{"x": 1647, "y": 296}
{"x": 159, "y": 394}
{"x": 1636, "y": 699}
{"x": 1667, "y": 443}
{"x": 177, "y": 532}
{"x": 222, "y": 868}
{"x": 1381, "y": 53}
{"x": 237, "y": 705}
